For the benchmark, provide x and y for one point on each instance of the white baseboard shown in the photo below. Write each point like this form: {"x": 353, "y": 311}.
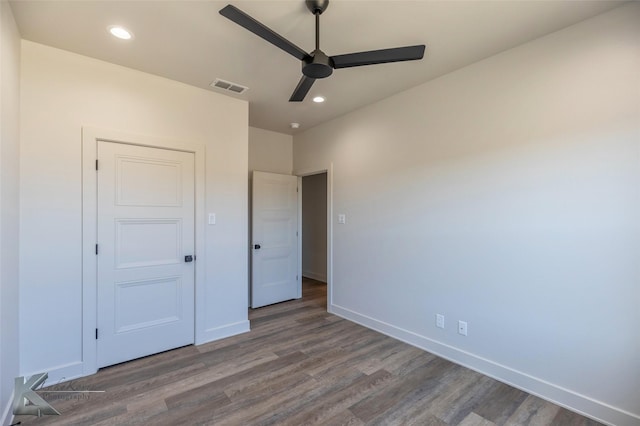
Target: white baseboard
{"x": 315, "y": 276}
{"x": 61, "y": 373}
{"x": 75, "y": 370}
{"x": 574, "y": 401}
{"x": 7, "y": 412}
{"x": 221, "y": 332}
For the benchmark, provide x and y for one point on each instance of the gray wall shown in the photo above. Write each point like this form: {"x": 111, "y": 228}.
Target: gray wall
{"x": 314, "y": 227}
{"x": 505, "y": 194}
{"x": 9, "y": 206}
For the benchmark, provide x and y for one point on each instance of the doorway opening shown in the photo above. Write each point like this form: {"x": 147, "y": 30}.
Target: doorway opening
{"x": 314, "y": 216}
{"x": 314, "y": 230}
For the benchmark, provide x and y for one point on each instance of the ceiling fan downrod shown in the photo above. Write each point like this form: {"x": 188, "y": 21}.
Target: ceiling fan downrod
{"x": 317, "y": 7}
{"x": 318, "y": 64}
{"x": 317, "y": 31}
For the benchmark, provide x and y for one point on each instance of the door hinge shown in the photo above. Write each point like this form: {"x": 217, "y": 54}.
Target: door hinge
{"x": 296, "y": 233}
{"x": 96, "y": 249}
{"x": 297, "y": 189}
{"x": 296, "y": 278}
{"x": 96, "y": 164}
{"x": 96, "y": 334}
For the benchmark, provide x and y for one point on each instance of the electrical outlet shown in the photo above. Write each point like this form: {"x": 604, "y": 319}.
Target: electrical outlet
{"x": 439, "y": 321}
{"x": 462, "y": 328}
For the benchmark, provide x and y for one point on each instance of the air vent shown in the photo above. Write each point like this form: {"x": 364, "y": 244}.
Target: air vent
{"x": 229, "y": 86}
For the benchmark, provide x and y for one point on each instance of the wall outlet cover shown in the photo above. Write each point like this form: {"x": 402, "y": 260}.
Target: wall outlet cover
{"x": 439, "y": 320}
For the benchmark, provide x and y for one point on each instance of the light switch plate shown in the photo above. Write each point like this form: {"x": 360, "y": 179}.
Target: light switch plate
{"x": 342, "y": 218}
{"x": 462, "y": 328}
{"x": 212, "y": 218}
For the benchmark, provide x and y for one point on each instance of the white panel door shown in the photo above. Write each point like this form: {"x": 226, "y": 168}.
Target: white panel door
{"x": 145, "y": 231}
{"x": 274, "y": 257}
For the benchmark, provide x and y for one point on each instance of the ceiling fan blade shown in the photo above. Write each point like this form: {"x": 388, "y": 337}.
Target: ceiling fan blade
{"x": 397, "y": 54}
{"x": 302, "y": 89}
{"x": 246, "y": 21}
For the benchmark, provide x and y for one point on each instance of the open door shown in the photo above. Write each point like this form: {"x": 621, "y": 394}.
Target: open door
{"x": 274, "y": 260}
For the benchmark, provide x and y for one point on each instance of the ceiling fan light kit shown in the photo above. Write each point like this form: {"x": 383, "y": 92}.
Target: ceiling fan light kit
{"x": 317, "y": 64}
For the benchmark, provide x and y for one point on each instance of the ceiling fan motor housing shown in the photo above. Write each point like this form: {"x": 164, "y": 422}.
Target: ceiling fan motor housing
{"x": 318, "y": 65}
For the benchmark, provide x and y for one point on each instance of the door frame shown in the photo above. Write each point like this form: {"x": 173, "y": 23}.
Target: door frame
{"x": 90, "y": 138}
{"x": 308, "y": 172}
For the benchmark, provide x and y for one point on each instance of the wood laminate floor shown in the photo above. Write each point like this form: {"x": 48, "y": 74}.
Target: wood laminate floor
{"x": 298, "y": 365}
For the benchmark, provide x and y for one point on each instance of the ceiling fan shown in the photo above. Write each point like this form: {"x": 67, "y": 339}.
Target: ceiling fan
{"x": 317, "y": 64}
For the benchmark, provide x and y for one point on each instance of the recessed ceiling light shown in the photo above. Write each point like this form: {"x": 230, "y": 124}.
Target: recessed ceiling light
{"x": 318, "y": 99}
{"x": 120, "y": 32}
{"x": 295, "y": 125}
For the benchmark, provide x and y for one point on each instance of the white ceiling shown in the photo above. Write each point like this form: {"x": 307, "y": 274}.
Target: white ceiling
{"x": 189, "y": 41}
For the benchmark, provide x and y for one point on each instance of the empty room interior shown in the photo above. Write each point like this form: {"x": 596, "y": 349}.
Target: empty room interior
{"x": 297, "y": 212}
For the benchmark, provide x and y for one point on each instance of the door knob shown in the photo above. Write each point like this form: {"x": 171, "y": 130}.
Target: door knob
{"x": 257, "y": 246}
{"x": 188, "y": 258}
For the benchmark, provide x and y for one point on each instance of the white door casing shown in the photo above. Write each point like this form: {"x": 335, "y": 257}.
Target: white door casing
{"x": 145, "y": 228}
{"x": 328, "y": 169}
{"x": 274, "y": 260}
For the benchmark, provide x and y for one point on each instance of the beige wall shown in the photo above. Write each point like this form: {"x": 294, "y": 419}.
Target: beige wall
{"x": 505, "y": 194}
{"x": 9, "y": 206}
{"x": 61, "y": 93}
{"x": 270, "y": 151}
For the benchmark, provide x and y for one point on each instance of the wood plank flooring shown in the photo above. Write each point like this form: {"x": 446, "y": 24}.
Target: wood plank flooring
{"x": 299, "y": 365}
